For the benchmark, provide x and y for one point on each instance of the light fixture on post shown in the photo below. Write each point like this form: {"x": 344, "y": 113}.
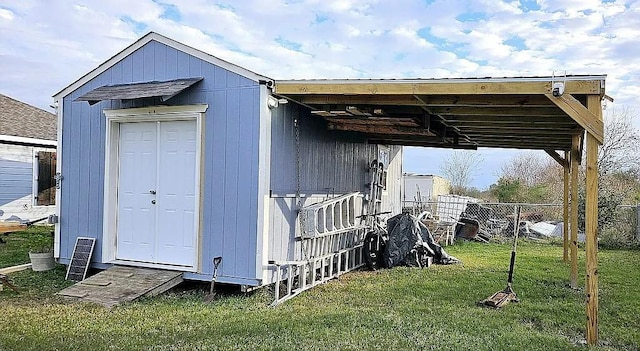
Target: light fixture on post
{"x": 557, "y": 88}
{"x": 273, "y": 102}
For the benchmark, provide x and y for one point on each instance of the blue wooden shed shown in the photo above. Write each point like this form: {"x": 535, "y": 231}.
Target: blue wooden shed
{"x": 170, "y": 157}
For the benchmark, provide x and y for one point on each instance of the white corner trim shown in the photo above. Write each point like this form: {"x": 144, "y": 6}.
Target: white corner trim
{"x": 264, "y": 181}
{"x": 56, "y": 239}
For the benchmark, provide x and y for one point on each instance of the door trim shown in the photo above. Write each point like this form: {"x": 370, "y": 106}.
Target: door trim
{"x": 147, "y": 114}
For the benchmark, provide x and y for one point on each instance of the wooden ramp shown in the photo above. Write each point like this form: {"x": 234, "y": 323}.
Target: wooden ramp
{"x": 120, "y": 284}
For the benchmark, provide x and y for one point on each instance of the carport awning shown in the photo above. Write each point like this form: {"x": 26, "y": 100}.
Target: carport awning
{"x": 467, "y": 113}
{"x": 165, "y": 90}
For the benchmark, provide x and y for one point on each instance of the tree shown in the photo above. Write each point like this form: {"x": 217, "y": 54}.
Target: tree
{"x": 506, "y": 190}
{"x": 524, "y": 168}
{"x": 620, "y": 150}
{"x": 460, "y": 167}
{"x": 513, "y": 190}
{"x": 529, "y": 177}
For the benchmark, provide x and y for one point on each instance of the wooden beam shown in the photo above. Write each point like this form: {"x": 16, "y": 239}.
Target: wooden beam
{"x": 14, "y": 269}
{"x": 519, "y": 145}
{"x": 535, "y": 130}
{"x": 351, "y": 100}
{"x": 523, "y": 119}
{"x": 565, "y": 208}
{"x": 591, "y": 225}
{"x": 554, "y": 155}
{"x": 551, "y": 141}
{"x": 580, "y": 114}
{"x": 562, "y": 129}
{"x": 380, "y": 129}
{"x": 573, "y": 226}
{"x": 437, "y": 145}
{"x": 530, "y": 112}
{"x": 484, "y": 100}
{"x": 524, "y": 132}
{"x": 9, "y": 227}
{"x": 429, "y": 87}
{"x": 407, "y": 122}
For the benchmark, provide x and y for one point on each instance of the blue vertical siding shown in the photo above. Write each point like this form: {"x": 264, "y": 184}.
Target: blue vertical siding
{"x": 330, "y": 163}
{"x": 16, "y": 179}
{"x": 230, "y": 156}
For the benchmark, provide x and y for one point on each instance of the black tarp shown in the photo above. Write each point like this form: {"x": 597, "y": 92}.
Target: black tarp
{"x": 410, "y": 244}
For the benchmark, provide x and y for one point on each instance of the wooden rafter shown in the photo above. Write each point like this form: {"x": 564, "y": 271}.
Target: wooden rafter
{"x": 539, "y": 128}
{"x": 437, "y": 145}
{"x": 502, "y": 133}
{"x": 497, "y": 111}
{"x": 510, "y": 119}
{"x": 378, "y": 129}
{"x": 484, "y": 100}
{"x": 408, "y": 122}
{"x": 561, "y": 160}
{"x": 521, "y": 145}
{"x": 580, "y": 114}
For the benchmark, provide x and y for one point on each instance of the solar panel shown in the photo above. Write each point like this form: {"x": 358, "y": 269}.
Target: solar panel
{"x": 81, "y": 258}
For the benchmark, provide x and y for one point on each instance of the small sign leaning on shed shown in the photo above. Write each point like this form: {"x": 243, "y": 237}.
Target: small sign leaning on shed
{"x": 79, "y": 264}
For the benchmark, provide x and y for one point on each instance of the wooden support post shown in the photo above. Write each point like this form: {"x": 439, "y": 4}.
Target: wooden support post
{"x": 637, "y": 222}
{"x": 591, "y": 243}
{"x": 565, "y": 213}
{"x": 573, "y": 225}
{"x": 591, "y": 225}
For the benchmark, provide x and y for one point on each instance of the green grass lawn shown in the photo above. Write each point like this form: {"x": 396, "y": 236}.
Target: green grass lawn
{"x": 401, "y": 308}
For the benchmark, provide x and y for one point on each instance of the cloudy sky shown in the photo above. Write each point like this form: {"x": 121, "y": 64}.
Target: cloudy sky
{"x": 47, "y": 44}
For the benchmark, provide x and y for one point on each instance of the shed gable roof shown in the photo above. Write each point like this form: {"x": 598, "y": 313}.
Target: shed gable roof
{"x": 19, "y": 119}
{"x": 152, "y": 36}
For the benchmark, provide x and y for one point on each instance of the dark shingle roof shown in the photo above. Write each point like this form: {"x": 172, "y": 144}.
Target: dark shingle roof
{"x": 23, "y": 120}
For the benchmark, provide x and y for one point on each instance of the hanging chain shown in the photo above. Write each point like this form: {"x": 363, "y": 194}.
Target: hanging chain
{"x": 296, "y": 125}
{"x": 301, "y": 216}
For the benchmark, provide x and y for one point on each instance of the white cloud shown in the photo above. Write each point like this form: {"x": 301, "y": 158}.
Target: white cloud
{"x": 47, "y": 44}
{"x": 6, "y": 15}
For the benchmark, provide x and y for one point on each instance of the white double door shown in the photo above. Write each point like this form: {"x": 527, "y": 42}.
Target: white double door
{"x": 156, "y": 219}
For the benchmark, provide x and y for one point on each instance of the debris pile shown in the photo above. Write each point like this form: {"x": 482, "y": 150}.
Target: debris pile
{"x": 408, "y": 242}
{"x": 482, "y": 223}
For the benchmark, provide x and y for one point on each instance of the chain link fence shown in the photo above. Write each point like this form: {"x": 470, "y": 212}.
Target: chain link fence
{"x": 496, "y": 220}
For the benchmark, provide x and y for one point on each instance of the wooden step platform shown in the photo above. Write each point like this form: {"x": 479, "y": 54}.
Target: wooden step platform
{"x": 9, "y": 227}
{"x": 120, "y": 284}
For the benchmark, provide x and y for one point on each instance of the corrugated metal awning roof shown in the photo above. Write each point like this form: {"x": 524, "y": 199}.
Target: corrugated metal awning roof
{"x": 165, "y": 90}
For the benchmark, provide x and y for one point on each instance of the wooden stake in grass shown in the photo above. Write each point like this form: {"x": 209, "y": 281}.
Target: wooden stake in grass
{"x": 507, "y": 295}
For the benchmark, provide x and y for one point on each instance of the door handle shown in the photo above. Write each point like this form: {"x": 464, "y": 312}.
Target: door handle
{"x": 153, "y": 202}
{"x": 152, "y": 192}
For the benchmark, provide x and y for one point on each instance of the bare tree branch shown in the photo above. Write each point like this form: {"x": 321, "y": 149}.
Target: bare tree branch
{"x": 460, "y": 167}
{"x": 620, "y": 151}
